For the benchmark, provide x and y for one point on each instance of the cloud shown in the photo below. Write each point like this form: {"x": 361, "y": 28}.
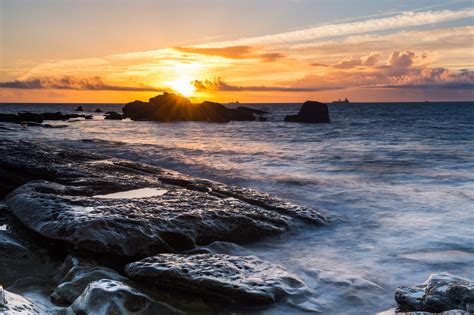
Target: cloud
{"x": 369, "y": 61}
{"x": 401, "y": 59}
{"x": 231, "y": 52}
{"x": 70, "y": 83}
{"x": 403, "y": 20}
{"x": 402, "y": 70}
{"x": 218, "y": 84}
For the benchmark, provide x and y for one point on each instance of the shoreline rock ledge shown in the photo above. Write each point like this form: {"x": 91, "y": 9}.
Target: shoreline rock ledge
{"x": 440, "y": 293}
{"x": 311, "y": 112}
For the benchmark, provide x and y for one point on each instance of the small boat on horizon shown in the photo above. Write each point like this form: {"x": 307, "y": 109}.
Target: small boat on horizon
{"x": 341, "y": 101}
{"x": 234, "y": 102}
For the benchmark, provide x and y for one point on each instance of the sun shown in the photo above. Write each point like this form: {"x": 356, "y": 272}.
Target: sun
{"x": 183, "y": 86}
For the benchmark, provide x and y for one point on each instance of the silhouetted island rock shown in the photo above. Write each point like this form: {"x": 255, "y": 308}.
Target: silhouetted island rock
{"x": 79, "y": 109}
{"x": 252, "y": 110}
{"x": 113, "y": 116}
{"x": 441, "y": 292}
{"x": 311, "y": 112}
{"x": 98, "y": 110}
{"x": 38, "y": 118}
{"x": 170, "y": 107}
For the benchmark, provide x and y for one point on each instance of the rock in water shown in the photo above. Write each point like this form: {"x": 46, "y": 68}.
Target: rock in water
{"x": 78, "y": 276}
{"x": 17, "y": 305}
{"x": 441, "y": 292}
{"x": 171, "y": 222}
{"x": 79, "y": 109}
{"x": 220, "y": 277}
{"x": 113, "y": 116}
{"x": 114, "y": 297}
{"x": 171, "y": 107}
{"x": 189, "y": 211}
{"x": 311, "y": 112}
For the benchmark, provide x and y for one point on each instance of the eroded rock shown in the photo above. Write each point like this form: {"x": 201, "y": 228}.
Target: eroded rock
{"x": 170, "y": 222}
{"x": 114, "y": 297}
{"x": 441, "y": 292}
{"x": 75, "y": 275}
{"x": 14, "y": 304}
{"x": 223, "y": 278}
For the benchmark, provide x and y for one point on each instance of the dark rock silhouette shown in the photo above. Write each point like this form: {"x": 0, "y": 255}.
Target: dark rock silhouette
{"x": 311, "y": 112}
{"x": 224, "y": 278}
{"x": 113, "y": 116}
{"x": 39, "y": 118}
{"x": 98, "y": 110}
{"x": 441, "y": 292}
{"x": 169, "y": 107}
{"x": 79, "y": 109}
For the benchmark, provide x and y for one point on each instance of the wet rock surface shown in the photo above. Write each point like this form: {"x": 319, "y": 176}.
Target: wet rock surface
{"x": 441, "y": 292}
{"x": 229, "y": 279}
{"x": 12, "y": 304}
{"x": 114, "y": 297}
{"x": 311, "y": 112}
{"x": 191, "y": 211}
{"x": 174, "y": 221}
{"x": 113, "y": 116}
{"x": 75, "y": 275}
{"x": 171, "y": 107}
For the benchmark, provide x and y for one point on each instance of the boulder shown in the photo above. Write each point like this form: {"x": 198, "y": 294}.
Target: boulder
{"x": 113, "y": 116}
{"x": 114, "y": 297}
{"x": 13, "y": 304}
{"x": 222, "y": 278}
{"x": 20, "y": 117}
{"x": 311, "y": 112}
{"x": 98, "y": 110}
{"x": 170, "y": 107}
{"x": 441, "y": 292}
{"x": 79, "y": 109}
{"x": 173, "y": 221}
{"x": 75, "y": 275}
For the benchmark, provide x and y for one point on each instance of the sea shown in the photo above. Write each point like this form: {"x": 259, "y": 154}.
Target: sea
{"x": 395, "y": 179}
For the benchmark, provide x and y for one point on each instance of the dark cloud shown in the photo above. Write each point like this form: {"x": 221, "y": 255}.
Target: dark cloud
{"x": 220, "y": 85}
{"x": 70, "y": 83}
{"x": 232, "y": 52}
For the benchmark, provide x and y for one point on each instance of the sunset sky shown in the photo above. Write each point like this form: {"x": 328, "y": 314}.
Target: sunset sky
{"x": 222, "y": 50}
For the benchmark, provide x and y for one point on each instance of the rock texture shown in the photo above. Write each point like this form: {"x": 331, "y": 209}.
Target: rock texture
{"x": 191, "y": 211}
{"x": 441, "y": 292}
{"x": 114, "y": 297}
{"x": 75, "y": 275}
{"x": 171, "y": 107}
{"x": 222, "y": 278}
{"x": 311, "y": 112}
{"x": 15, "y": 304}
{"x": 113, "y": 116}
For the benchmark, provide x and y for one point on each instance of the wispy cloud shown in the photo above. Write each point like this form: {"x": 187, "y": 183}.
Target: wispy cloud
{"x": 403, "y": 20}
{"x": 70, "y": 83}
{"x": 218, "y": 84}
{"x": 232, "y": 52}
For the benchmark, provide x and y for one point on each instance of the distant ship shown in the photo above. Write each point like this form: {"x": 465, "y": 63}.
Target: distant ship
{"x": 236, "y": 102}
{"x": 342, "y": 101}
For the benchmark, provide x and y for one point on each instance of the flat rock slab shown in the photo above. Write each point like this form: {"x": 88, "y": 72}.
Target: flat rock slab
{"x": 88, "y": 201}
{"x": 441, "y": 292}
{"x": 223, "y": 278}
{"x": 114, "y": 297}
{"x": 174, "y": 221}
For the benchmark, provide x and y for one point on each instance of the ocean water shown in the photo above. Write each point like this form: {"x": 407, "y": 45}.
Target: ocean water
{"x": 397, "y": 181}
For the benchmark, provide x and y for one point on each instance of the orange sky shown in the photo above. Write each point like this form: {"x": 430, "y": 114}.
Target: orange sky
{"x": 417, "y": 55}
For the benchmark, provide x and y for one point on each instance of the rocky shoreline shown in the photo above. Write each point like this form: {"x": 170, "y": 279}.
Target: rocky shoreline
{"x": 89, "y": 234}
